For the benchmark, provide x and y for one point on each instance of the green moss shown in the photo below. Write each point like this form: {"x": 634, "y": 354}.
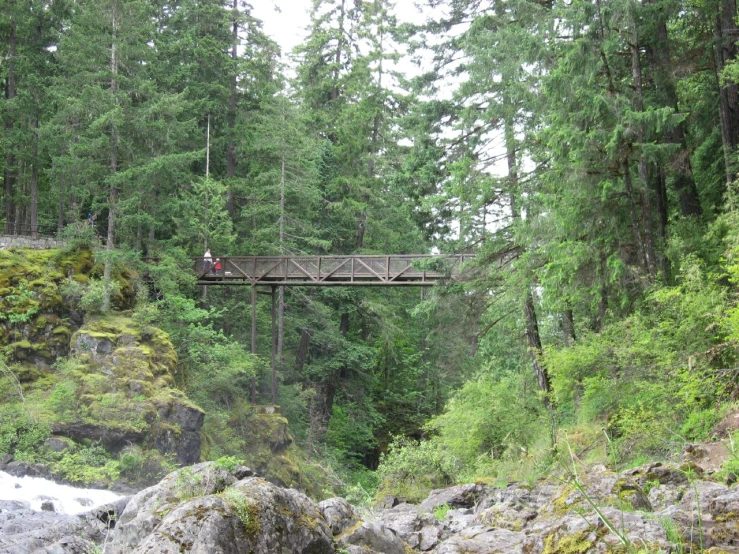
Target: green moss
{"x": 26, "y": 373}
{"x": 572, "y": 544}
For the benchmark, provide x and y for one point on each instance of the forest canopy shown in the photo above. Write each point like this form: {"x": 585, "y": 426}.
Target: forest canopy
{"x": 584, "y": 151}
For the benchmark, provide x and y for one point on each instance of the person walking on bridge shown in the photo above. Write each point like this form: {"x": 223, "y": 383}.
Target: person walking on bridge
{"x": 207, "y": 262}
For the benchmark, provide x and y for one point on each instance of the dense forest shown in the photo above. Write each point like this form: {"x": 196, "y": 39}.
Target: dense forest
{"x": 584, "y": 151}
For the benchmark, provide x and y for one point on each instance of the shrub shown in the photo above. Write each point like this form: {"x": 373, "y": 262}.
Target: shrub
{"x": 21, "y": 437}
{"x": 92, "y": 300}
{"x": 87, "y": 465}
{"x": 412, "y": 468}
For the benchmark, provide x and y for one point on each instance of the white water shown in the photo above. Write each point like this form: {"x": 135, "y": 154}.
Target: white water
{"x": 65, "y": 498}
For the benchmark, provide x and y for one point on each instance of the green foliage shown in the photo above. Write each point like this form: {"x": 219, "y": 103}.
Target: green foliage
{"x": 140, "y": 466}
{"x": 412, "y": 468}
{"x": 440, "y": 512}
{"x": 228, "y": 463}
{"x": 87, "y": 465}
{"x": 92, "y": 300}
{"x": 21, "y": 437}
{"x": 189, "y": 484}
{"x": 20, "y": 306}
{"x": 63, "y": 401}
{"x": 245, "y": 510}
{"x": 498, "y": 421}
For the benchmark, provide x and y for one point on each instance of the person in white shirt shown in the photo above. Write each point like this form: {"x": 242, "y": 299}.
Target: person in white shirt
{"x": 207, "y": 261}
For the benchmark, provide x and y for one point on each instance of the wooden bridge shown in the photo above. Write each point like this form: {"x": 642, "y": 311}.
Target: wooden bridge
{"x": 351, "y": 270}
{"x": 321, "y": 271}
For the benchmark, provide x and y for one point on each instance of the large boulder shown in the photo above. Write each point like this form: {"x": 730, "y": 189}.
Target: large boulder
{"x": 23, "y": 531}
{"x": 124, "y": 377}
{"x": 419, "y": 530}
{"x": 460, "y": 496}
{"x": 206, "y": 509}
{"x": 372, "y": 537}
{"x": 339, "y": 514}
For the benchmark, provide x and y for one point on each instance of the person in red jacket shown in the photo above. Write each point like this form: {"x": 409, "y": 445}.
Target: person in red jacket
{"x": 217, "y": 267}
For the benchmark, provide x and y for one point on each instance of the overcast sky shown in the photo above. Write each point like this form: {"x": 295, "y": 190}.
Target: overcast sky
{"x": 286, "y": 21}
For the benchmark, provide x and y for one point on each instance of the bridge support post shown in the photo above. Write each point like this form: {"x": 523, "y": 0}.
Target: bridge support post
{"x": 253, "y": 319}
{"x": 274, "y": 346}
{"x": 253, "y": 387}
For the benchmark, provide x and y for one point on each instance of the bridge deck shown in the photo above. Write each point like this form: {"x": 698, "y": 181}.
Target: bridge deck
{"x": 351, "y": 270}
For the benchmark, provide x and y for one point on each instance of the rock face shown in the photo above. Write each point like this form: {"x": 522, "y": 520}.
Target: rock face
{"x": 132, "y": 402}
{"x": 23, "y": 531}
{"x": 205, "y": 509}
{"x": 551, "y": 519}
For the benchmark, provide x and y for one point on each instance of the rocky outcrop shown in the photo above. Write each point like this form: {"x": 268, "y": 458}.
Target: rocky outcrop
{"x": 209, "y": 509}
{"x": 206, "y": 509}
{"x": 46, "y": 532}
{"x": 133, "y": 401}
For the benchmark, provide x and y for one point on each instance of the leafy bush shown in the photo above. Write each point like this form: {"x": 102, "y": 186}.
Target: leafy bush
{"x": 19, "y": 306}
{"x": 87, "y": 465}
{"x": 411, "y": 469}
{"x": 245, "y": 510}
{"x": 20, "y": 436}
{"x": 92, "y": 300}
{"x": 144, "y": 467}
{"x": 497, "y": 419}
{"x": 229, "y": 463}
{"x": 63, "y": 400}
{"x": 652, "y": 380}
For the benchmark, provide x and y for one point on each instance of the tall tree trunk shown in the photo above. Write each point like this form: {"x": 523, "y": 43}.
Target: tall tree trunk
{"x": 659, "y": 56}
{"x": 337, "y": 54}
{"x": 633, "y": 215}
{"x": 60, "y": 212}
{"x": 9, "y": 178}
{"x": 281, "y": 295}
{"x": 231, "y": 149}
{"x": 643, "y": 165}
{"x": 34, "y": 178}
{"x": 725, "y": 33}
{"x": 113, "y": 168}
{"x": 303, "y": 349}
{"x": 529, "y": 309}
{"x": 568, "y": 327}
{"x": 535, "y": 348}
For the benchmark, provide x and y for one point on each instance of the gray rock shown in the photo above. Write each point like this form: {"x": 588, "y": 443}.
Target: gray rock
{"x": 144, "y": 511}
{"x": 23, "y": 469}
{"x": 457, "y": 520}
{"x": 460, "y": 496}
{"x": 109, "y": 514}
{"x": 662, "y": 496}
{"x": 339, "y": 514}
{"x": 57, "y": 444}
{"x": 185, "y": 512}
{"x": 14, "y": 505}
{"x": 420, "y": 531}
{"x": 388, "y": 501}
{"x": 375, "y": 537}
{"x": 84, "y": 501}
{"x": 483, "y": 540}
{"x": 25, "y": 531}
{"x": 47, "y": 506}
{"x": 268, "y": 520}
{"x": 506, "y": 515}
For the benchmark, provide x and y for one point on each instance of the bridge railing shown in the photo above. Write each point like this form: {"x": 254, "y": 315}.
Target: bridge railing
{"x": 393, "y": 270}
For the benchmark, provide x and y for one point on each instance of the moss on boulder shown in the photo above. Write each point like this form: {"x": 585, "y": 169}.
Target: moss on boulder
{"x": 122, "y": 375}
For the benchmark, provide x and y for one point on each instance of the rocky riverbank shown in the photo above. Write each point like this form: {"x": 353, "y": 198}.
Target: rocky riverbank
{"x": 210, "y": 509}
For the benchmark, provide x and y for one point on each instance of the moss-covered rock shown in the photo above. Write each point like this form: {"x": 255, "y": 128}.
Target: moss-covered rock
{"x": 121, "y": 376}
{"x": 33, "y": 309}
